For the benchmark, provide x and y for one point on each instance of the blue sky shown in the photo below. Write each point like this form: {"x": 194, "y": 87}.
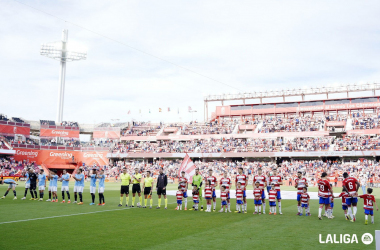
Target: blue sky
{"x": 250, "y": 45}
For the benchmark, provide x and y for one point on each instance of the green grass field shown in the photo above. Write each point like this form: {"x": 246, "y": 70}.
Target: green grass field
{"x": 70, "y": 226}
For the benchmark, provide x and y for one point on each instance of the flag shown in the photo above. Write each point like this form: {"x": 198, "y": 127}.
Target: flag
{"x": 159, "y": 110}
{"x": 178, "y": 110}
{"x": 189, "y": 108}
{"x": 168, "y": 109}
{"x": 140, "y": 111}
{"x": 189, "y": 167}
{"x": 149, "y": 111}
{"x": 129, "y": 112}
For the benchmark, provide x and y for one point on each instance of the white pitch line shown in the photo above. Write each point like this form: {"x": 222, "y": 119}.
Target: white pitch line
{"x": 67, "y": 215}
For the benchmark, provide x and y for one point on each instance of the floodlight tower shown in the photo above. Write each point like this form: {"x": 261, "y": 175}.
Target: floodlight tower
{"x": 59, "y": 51}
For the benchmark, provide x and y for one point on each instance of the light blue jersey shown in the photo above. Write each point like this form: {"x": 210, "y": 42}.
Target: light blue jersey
{"x": 65, "y": 183}
{"x": 27, "y": 178}
{"x": 101, "y": 180}
{"x": 41, "y": 179}
{"x": 93, "y": 180}
{"x": 9, "y": 181}
{"x": 53, "y": 181}
{"x": 79, "y": 183}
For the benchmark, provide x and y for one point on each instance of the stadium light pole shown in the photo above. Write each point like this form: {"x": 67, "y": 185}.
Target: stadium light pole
{"x": 59, "y": 51}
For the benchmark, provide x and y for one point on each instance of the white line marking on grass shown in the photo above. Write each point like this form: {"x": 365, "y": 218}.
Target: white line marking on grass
{"x": 67, "y": 215}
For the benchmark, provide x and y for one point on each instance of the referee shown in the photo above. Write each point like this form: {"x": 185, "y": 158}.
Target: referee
{"x": 125, "y": 182}
{"x": 136, "y": 179}
{"x": 162, "y": 182}
{"x": 148, "y": 188}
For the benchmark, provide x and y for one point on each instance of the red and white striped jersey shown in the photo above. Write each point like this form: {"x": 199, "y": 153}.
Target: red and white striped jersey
{"x": 208, "y": 192}
{"x": 261, "y": 179}
{"x": 301, "y": 183}
{"x": 223, "y": 195}
{"x": 350, "y": 184}
{"x": 272, "y": 195}
{"x": 344, "y": 196}
{"x": 276, "y": 179}
{"x": 257, "y": 193}
{"x": 179, "y": 195}
{"x": 305, "y": 198}
{"x": 213, "y": 180}
{"x": 195, "y": 196}
{"x": 239, "y": 194}
{"x": 369, "y": 199}
{"x": 324, "y": 188}
{"x": 183, "y": 182}
{"x": 225, "y": 182}
{"x": 242, "y": 178}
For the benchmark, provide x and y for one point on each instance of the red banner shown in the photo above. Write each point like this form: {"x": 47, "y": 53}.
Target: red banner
{"x": 13, "y": 129}
{"x": 106, "y": 133}
{"x": 66, "y": 133}
{"x": 62, "y": 157}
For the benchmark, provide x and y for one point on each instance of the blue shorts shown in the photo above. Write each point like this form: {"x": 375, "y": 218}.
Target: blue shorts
{"x": 367, "y": 211}
{"x": 298, "y": 197}
{"x": 272, "y": 203}
{"x": 304, "y": 205}
{"x": 278, "y": 195}
{"x": 224, "y": 203}
{"x": 344, "y": 207}
{"x": 332, "y": 204}
{"x": 208, "y": 198}
{"x": 179, "y": 202}
{"x": 244, "y": 195}
{"x": 350, "y": 200}
{"x": 324, "y": 200}
{"x": 195, "y": 201}
{"x": 213, "y": 194}
{"x": 258, "y": 202}
{"x": 185, "y": 194}
{"x": 239, "y": 202}
{"x": 263, "y": 195}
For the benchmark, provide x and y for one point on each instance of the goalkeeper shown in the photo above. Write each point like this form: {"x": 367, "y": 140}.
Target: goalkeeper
{"x": 197, "y": 182}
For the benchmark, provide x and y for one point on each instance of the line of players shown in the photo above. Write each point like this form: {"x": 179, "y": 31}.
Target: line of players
{"x": 33, "y": 180}
{"x": 349, "y": 195}
{"x": 241, "y": 181}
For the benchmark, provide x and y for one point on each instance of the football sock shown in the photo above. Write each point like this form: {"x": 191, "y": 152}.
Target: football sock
{"x": 63, "y": 195}
{"x": 355, "y": 210}
{"x": 274, "y": 209}
{"x": 332, "y": 210}
{"x": 133, "y": 201}
{"x": 92, "y": 198}
{"x": 255, "y": 209}
{"x": 41, "y": 195}
{"x": 6, "y": 193}
{"x": 31, "y": 193}
{"x": 373, "y": 218}
{"x": 159, "y": 202}
{"x": 49, "y": 195}
{"x": 127, "y": 200}
{"x": 319, "y": 212}
{"x": 299, "y": 209}
{"x": 185, "y": 202}
{"x": 229, "y": 205}
{"x": 151, "y": 202}
{"x": 145, "y": 202}
{"x": 180, "y": 207}
{"x": 104, "y": 201}
{"x": 68, "y": 195}
{"x": 35, "y": 194}
{"x": 26, "y": 191}
{"x": 279, "y": 206}
{"x": 140, "y": 199}
{"x": 366, "y": 217}
{"x": 214, "y": 204}
{"x": 264, "y": 205}
{"x": 80, "y": 197}
{"x": 245, "y": 206}
{"x": 259, "y": 209}
{"x": 75, "y": 196}
{"x": 121, "y": 200}
{"x": 166, "y": 202}
{"x": 100, "y": 198}
{"x": 349, "y": 211}
{"x": 14, "y": 192}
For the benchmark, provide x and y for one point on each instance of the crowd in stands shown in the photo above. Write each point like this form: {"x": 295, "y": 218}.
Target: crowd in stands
{"x": 16, "y": 119}
{"x": 195, "y": 128}
{"x": 357, "y": 143}
{"x": 10, "y": 167}
{"x": 69, "y": 124}
{"x": 365, "y": 121}
{"x": 291, "y": 124}
{"x": 47, "y": 122}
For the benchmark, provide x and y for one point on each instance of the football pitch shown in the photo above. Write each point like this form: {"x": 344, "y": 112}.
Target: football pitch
{"x": 26, "y": 224}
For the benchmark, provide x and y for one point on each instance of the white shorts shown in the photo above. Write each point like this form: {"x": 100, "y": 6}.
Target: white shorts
{"x": 100, "y": 189}
{"x": 65, "y": 188}
{"x": 78, "y": 189}
{"x": 52, "y": 189}
{"x": 41, "y": 188}
{"x": 11, "y": 185}
{"x": 92, "y": 190}
{"x": 27, "y": 185}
